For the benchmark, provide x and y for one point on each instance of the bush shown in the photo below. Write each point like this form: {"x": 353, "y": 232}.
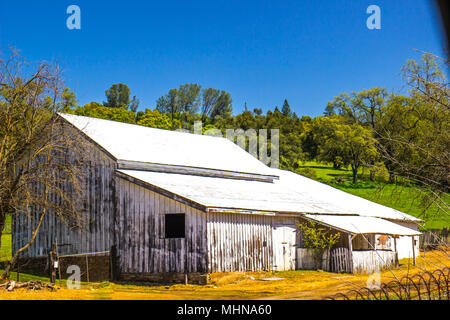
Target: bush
{"x": 307, "y": 172}
{"x": 379, "y": 172}
{"x": 317, "y": 238}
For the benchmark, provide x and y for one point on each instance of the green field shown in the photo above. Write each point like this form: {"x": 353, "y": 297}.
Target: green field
{"x": 405, "y": 198}
{"x": 5, "y": 249}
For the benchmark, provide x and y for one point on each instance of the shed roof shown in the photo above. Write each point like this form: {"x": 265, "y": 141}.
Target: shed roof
{"x": 143, "y": 144}
{"x": 347, "y": 203}
{"x": 363, "y": 225}
{"x": 287, "y": 195}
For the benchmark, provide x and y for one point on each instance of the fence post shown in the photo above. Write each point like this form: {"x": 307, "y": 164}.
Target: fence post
{"x": 350, "y": 248}
{"x": 52, "y": 259}
{"x": 395, "y": 250}
{"x": 18, "y": 268}
{"x": 58, "y": 262}
{"x": 113, "y": 261}
{"x": 445, "y": 236}
{"x": 87, "y": 269}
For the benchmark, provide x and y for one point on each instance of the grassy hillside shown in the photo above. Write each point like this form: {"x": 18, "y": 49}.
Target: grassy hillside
{"x": 407, "y": 199}
{"x": 5, "y": 249}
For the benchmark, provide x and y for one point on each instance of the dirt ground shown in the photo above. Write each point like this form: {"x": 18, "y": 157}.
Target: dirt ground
{"x": 296, "y": 285}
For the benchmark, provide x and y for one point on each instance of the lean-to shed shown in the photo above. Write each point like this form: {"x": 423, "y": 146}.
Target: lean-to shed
{"x": 175, "y": 203}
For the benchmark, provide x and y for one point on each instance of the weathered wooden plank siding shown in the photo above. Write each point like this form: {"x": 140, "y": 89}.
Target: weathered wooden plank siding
{"x": 96, "y": 234}
{"x": 364, "y": 261}
{"x": 307, "y": 261}
{"x": 369, "y": 261}
{"x": 142, "y": 247}
{"x": 404, "y": 243}
{"x": 239, "y": 242}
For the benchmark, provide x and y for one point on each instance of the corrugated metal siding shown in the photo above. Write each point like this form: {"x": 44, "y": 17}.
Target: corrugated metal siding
{"x": 236, "y": 241}
{"x": 142, "y": 247}
{"x": 97, "y": 233}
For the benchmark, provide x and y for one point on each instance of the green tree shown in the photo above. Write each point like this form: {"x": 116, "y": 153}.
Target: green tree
{"x": 286, "y": 109}
{"x": 348, "y": 143}
{"x": 96, "y": 110}
{"x": 68, "y": 101}
{"x": 257, "y": 111}
{"x": 156, "y": 119}
{"x": 169, "y": 103}
{"x": 223, "y": 107}
{"x": 414, "y": 134}
{"x": 215, "y": 103}
{"x": 427, "y": 81}
{"x": 365, "y": 106}
{"x": 183, "y": 102}
{"x": 118, "y": 96}
{"x": 189, "y": 99}
{"x": 134, "y": 104}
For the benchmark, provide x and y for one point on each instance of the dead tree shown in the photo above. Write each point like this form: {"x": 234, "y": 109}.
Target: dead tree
{"x": 42, "y": 163}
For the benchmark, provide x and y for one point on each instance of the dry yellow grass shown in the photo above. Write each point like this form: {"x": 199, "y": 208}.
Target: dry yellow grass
{"x": 239, "y": 285}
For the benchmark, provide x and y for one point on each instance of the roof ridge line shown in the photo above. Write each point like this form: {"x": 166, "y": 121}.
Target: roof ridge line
{"x": 189, "y": 170}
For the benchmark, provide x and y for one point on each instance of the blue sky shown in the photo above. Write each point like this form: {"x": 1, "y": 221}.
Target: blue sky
{"x": 260, "y": 51}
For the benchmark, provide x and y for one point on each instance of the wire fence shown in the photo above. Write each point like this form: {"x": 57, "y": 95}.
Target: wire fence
{"x": 93, "y": 266}
{"x": 431, "y": 239}
{"x": 428, "y": 285}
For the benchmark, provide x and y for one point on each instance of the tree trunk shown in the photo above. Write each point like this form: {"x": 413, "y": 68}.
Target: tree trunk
{"x": 372, "y": 175}
{"x": 13, "y": 260}
{"x": 355, "y": 174}
{"x": 391, "y": 177}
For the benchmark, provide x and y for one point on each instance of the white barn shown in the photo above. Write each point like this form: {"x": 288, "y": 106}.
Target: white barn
{"x": 174, "y": 204}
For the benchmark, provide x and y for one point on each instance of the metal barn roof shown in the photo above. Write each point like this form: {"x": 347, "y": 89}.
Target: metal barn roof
{"x": 363, "y": 225}
{"x": 347, "y": 203}
{"x": 162, "y": 158}
{"x": 288, "y": 194}
{"x": 143, "y": 144}
{"x": 214, "y": 192}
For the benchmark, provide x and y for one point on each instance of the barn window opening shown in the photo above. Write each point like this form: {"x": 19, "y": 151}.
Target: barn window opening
{"x": 174, "y": 225}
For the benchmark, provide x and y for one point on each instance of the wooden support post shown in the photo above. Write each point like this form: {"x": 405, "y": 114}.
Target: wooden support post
{"x": 87, "y": 269}
{"x": 52, "y": 260}
{"x": 57, "y": 260}
{"x": 185, "y": 261}
{"x": 395, "y": 250}
{"x": 18, "y": 269}
{"x": 350, "y": 248}
{"x": 113, "y": 262}
{"x": 413, "y": 250}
